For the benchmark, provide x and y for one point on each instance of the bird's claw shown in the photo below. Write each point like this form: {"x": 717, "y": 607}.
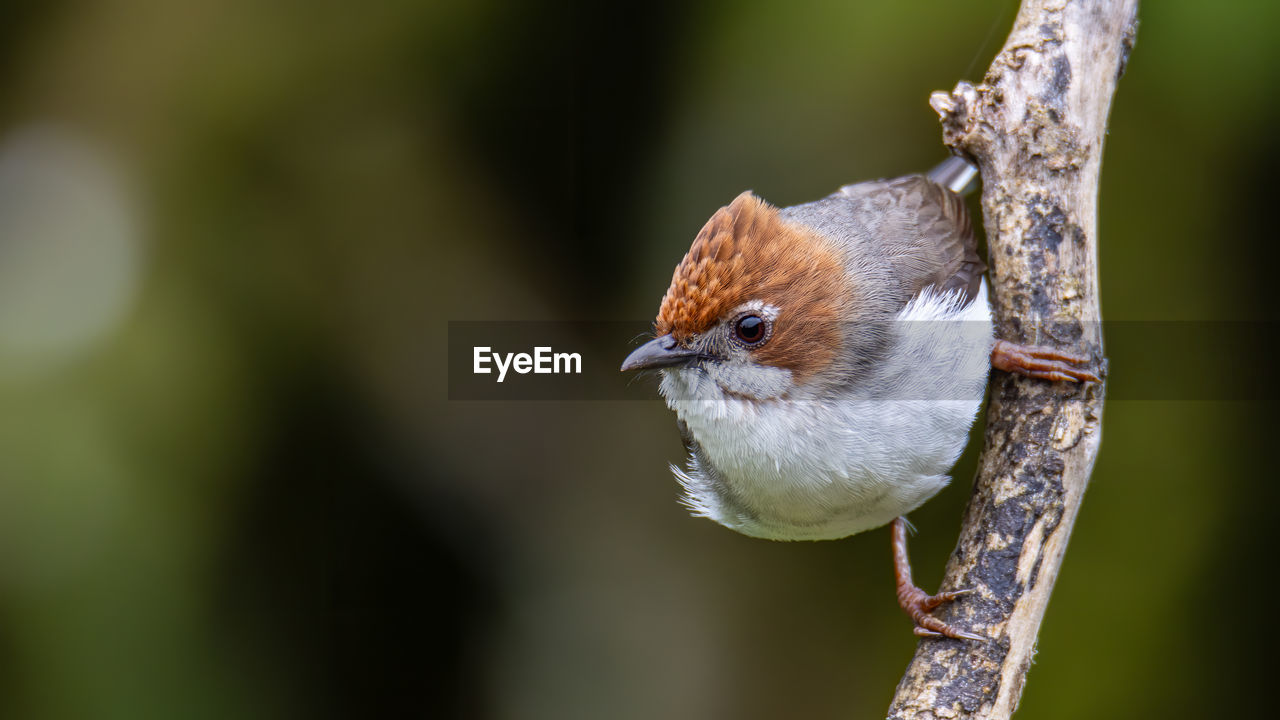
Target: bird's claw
{"x": 1042, "y": 363}
{"x": 918, "y": 604}
{"x": 957, "y": 634}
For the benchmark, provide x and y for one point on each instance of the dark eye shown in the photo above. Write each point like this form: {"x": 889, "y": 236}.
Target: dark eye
{"x": 749, "y": 329}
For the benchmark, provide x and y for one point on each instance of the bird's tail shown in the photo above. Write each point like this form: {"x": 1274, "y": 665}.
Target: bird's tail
{"x": 955, "y": 174}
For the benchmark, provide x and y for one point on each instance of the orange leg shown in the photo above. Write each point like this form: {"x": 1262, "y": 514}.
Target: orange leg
{"x": 916, "y": 602}
{"x": 1040, "y": 362}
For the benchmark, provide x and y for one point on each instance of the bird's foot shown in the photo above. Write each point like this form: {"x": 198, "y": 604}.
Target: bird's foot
{"x": 1041, "y": 362}
{"x": 916, "y": 602}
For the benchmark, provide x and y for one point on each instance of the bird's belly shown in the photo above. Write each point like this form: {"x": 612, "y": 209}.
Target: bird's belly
{"x": 809, "y": 473}
{"x": 819, "y": 467}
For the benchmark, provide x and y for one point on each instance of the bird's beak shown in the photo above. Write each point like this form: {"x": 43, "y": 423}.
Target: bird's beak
{"x": 658, "y": 353}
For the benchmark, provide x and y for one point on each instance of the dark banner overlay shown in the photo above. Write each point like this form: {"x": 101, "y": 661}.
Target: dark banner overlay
{"x": 558, "y": 361}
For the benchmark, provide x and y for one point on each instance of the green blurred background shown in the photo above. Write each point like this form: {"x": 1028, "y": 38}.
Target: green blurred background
{"x": 232, "y": 235}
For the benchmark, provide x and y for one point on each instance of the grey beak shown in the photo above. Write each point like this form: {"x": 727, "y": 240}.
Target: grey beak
{"x": 658, "y": 353}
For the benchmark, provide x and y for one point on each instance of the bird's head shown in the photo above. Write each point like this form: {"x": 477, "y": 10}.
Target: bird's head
{"x": 758, "y": 305}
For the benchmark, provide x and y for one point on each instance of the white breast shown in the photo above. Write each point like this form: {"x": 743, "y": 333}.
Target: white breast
{"x": 796, "y": 468}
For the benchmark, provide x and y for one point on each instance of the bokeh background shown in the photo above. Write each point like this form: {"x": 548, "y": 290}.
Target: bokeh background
{"x": 232, "y": 484}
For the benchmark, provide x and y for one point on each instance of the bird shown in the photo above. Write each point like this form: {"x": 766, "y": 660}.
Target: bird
{"x": 826, "y": 361}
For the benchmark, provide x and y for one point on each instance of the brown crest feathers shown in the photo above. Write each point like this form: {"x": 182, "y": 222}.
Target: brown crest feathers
{"x": 746, "y": 251}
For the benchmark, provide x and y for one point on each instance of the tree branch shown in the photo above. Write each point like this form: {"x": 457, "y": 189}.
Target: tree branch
{"x": 1035, "y": 127}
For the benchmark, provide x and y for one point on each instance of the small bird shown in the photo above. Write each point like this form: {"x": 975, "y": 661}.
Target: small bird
{"x": 825, "y": 362}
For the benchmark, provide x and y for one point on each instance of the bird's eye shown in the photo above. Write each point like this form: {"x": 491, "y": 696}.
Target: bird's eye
{"x": 750, "y": 329}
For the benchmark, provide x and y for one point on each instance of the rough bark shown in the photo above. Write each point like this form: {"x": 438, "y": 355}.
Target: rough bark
{"x": 1035, "y": 127}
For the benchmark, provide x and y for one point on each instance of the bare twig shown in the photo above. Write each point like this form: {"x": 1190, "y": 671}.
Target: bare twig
{"x": 1035, "y": 127}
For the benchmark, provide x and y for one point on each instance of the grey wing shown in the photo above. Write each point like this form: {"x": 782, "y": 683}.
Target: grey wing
{"x": 947, "y": 232}
{"x": 909, "y": 231}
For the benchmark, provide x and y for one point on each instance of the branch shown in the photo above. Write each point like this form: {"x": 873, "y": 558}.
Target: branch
{"x": 1035, "y": 127}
